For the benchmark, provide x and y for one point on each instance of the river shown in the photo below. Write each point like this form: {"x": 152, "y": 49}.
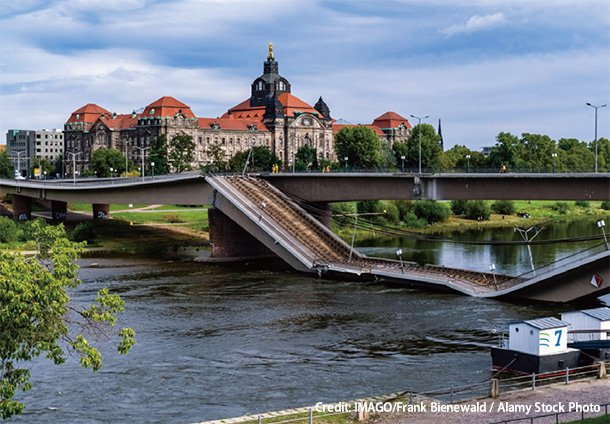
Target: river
{"x": 217, "y": 341}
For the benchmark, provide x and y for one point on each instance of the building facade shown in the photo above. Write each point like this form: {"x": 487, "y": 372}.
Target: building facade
{"x": 26, "y": 145}
{"x": 272, "y": 116}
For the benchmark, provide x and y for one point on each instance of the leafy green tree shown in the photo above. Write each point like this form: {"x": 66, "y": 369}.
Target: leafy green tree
{"x": 430, "y": 148}
{"x": 478, "y": 209}
{"x": 431, "y": 210}
{"x": 503, "y": 207}
{"x": 504, "y": 153}
{"x": 306, "y": 158}
{"x": 261, "y": 159}
{"x": 535, "y": 153}
{"x": 158, "y": 155}
{"x": 458, "y": 207}
{"x": 45, "y": 165}
{"x": 360, "y": 145}
{"x": 603, "y": 154}
{"x": 7, "y": 168}
{"x": 8, "y": 230}
{"x": 181, "y": 152}
{"x": 35, "y": 309}
{"x": 455, "y": 159}
{"x": 388, "y": 159}
{"x": 216, "y": 159}
{"x": 104, "y": 159}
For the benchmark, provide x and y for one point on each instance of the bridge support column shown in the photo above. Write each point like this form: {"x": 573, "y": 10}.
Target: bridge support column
{"x": 59, "y": 210}
{"x": 101, "y": 211}
{"x": 22, "y": 207}
{"x": 323, "y": 212}
{"x": 229, "y": 240}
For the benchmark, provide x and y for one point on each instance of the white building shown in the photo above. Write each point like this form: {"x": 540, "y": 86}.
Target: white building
{"x": 590, "y": 324}
{"x": 543, "y": 336}
{"x": 26, "y": 145}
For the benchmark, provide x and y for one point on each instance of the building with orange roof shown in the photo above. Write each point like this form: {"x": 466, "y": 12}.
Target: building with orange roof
{"x": 271, "y": 116}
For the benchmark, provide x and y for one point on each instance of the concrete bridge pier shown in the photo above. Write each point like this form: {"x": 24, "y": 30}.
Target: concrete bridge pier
{"x": 229, "y": 240}
{"x": 59, "y": 210}
{"x": 22, "y": 207}
{"x": 101, "y": 211}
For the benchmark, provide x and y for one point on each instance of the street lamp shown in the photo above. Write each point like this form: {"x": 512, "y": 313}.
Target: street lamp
{"x": 492, "y": 268}
{"x": 74, "y": 153}
{"x": 345, "y": 158}
{"x": 468, "y": 169}
{"x": 111, "y": 172}
{"x": 142, "y": 150}
{"x": 403, "y": 163}
{"x": 399, "y": 254}
{"x": 152, "y": 164}
{"x": 19, "y": 161}
{"x": 418, "y": 118}
{"x": 596, "y": 107}
{"x": 601, "y": 224}
{"x": 554, "y": 155}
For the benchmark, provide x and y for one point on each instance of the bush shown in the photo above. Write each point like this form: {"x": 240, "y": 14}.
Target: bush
{"x": 582, "y": 203}
{"x": 478, "y": 209}
{"x": 431, "y": 211}
{"x": 458, "y": 207}
{"x": 412, "y": 221}
{"x": 8, "y": 230}
{"x": 605, "y": 206}
{"x": 172, "y": 218}
{"x": 368, "y": 206}
{"x": 561, "y": 207}
{"x": 404, "y": 207}
{"x": 503, "y": 207}
{"x": 84, "y": 231}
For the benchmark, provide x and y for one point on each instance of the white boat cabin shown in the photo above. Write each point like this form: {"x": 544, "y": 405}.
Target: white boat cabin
{"x": 588, "y": 324}
{"x": 542, "y": 336}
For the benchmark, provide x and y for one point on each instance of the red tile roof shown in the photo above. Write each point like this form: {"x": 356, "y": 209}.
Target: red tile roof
{"x": 167, "y": 107}
{"x": 291, "y": 104}
{"x": 390, "y": 120}
{"x": 120, "y": 122}
{"x": 88, "y": 113}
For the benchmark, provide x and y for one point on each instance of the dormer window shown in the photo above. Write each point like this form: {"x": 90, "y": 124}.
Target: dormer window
{"x": 260, "y": 86}
{"x": 281, "y": 86}
{"x": 152, "y": 111}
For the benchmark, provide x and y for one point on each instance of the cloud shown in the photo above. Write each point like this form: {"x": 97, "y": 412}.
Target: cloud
{"x": 477, "y": 23}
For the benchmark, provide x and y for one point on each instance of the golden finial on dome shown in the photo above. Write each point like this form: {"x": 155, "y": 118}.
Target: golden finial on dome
{"x": 270, "y": 56}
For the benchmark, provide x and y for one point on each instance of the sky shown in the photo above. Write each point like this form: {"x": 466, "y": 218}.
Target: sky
{"x": 481, "y": 66}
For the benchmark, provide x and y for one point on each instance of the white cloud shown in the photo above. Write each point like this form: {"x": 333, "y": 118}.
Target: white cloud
{"x": 477, "y": 23}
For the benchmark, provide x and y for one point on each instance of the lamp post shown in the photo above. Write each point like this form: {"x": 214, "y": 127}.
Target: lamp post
{"x": 419, "y": 119}
{"x": 554, "y": 155}
{"x": 142, "y": 150}
{"x": 492, "y": 268}
{"x": 403, "y": 163}
{"x": 601, "y": 224}
{"x": 399, "y": 254}
{"x": 345, "y": 158}
{"x": 74, "y": 153}
{"x": 596, "y": 107}
{"x": 111, "y": 172}
{"x": 468, "y": 169}
{"x": 152, "y": 164}
{"x": 19, "y": 161}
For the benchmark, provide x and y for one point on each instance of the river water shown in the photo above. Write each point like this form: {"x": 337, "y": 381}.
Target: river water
{"x": 220, "y": 341}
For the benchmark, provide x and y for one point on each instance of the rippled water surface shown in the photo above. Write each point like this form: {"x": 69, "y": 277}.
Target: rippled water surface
{"x": 219, "y": 341}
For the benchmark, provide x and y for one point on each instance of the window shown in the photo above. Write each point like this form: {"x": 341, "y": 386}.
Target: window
{"x": 152, "y": 111}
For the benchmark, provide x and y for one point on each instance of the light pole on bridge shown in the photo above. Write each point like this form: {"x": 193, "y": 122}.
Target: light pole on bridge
{"x": 419, "y": 119}
{"x": 596, "y": 107}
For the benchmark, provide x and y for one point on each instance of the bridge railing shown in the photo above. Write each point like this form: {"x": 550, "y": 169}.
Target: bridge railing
{"x": 565, "y": 262}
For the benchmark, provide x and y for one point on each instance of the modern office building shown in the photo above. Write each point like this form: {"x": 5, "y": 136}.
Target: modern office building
{"x": 26, "y": 145}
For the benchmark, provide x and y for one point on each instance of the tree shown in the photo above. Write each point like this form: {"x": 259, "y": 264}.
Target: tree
{"x": 44, "y": 163}
{"x": 158, "y": 155}
{"x": 261, "y": 159}
{"x": 504, "y": 153}
{"x": 388, "y": 161}
{"x": 535, "y": 153}
{"x": 181, "y": 152}
{"x": 7, "y": 168}
{"x": 430, "y": 147}
{"x": 216, "y": 158}
{"x": 35, "y": 313}
{"x": 104, "y": 159}
{"x": 360, "y": 145}
{"x": 306, "y": 158}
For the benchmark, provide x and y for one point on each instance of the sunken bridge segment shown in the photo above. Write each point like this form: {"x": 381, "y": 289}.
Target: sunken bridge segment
{"x": 291, "y": 233}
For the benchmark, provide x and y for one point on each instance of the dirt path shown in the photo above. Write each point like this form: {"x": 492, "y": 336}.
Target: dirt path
{"x": 521, "y": 404}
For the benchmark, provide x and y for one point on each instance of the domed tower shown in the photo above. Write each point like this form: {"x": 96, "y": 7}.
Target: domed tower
{"x": 322, "y": 107}
{"x": 271, "y": 83}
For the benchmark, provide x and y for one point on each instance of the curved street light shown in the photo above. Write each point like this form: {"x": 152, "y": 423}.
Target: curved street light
{"x": 418, "y": 118}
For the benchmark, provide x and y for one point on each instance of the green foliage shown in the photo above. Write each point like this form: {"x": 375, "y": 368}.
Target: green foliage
{"x": 503, "y": 207}
{"x": 582, "y": 203}
{"x": 104, "y": 159}
{"x": 430, "y": 148}
{"x": 216, "y": 159}
{"x": 306, "y": 158}
{"x": 458, "y": 207}
{"x": 181, "y": 152}
{"x": 478, "y": 209}
{"x": 33, "y": 307}
{"x": 83, "y": 231}
{"x": 157, "y": 154}
{"x": 404, "y": 207}
{"x": 388, "y": 160}
{"x": 8, "y": 230}
{"x": 261, "y": 159}
{"x": 561, "y": 207}
{"x": 7, "y": 168}
{"x": 360, "y": 145}
{"x": 45, "y": 166}
{"x": 605, "y": 205}
{"x": 430, "y": 210}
